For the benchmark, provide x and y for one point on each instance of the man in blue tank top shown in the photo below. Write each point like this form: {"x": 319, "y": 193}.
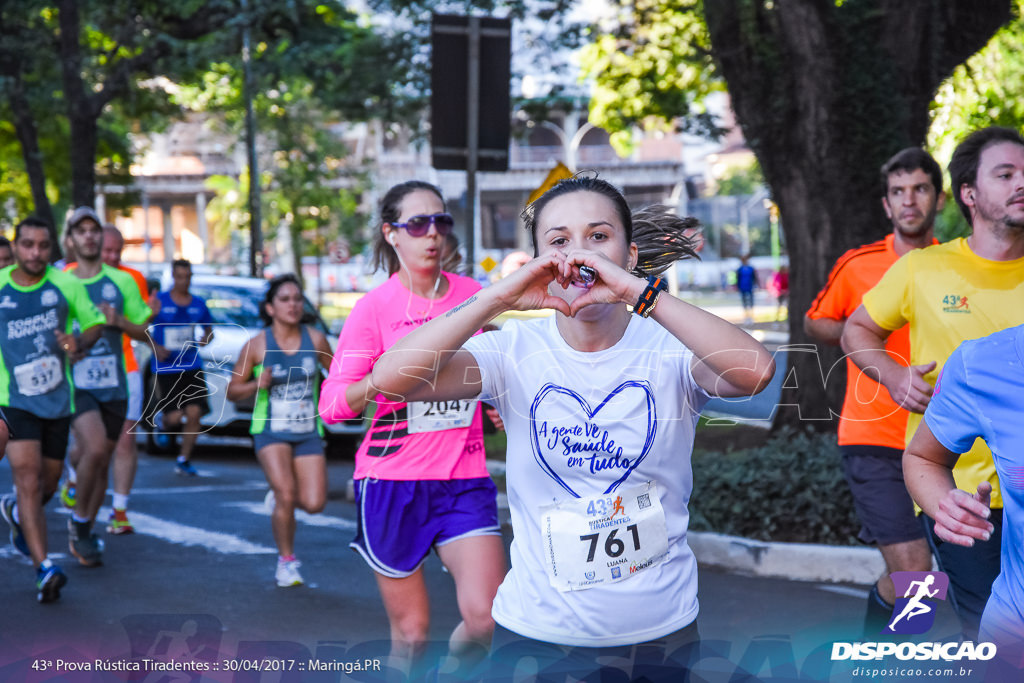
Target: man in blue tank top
{"x": 176, "y": 362}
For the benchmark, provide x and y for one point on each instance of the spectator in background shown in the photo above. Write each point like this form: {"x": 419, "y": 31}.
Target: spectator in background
{"x": 6, "y": 252}
{"x": 746, "y": 281}
{"x": 779, "y": 288}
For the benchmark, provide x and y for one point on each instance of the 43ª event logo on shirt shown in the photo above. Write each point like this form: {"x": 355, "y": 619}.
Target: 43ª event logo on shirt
{"x": 954, "y": 303}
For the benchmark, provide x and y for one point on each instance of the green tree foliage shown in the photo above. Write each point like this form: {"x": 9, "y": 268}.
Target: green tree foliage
{"x": 741, "y": 180}
{"x": 652, "y": 66}
{"x": 825, "y": 92}
{"x": 983, "y": 91}
{"x": 91, "y": 72}
{"x": 72, "y": 72}
{"x": 306, "y": 84}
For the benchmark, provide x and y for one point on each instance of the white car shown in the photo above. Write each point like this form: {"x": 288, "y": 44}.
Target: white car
{"x": 234, "y": 303}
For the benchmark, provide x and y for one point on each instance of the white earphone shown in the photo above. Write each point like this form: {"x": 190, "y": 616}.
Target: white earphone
{"x": 393, "y": 239}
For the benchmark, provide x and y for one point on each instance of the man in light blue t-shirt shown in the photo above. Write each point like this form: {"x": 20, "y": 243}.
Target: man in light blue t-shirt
{"x": 980, "y": 394}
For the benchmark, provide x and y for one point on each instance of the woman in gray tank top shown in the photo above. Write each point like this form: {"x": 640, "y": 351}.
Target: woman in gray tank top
{"x": 281, "y": 366}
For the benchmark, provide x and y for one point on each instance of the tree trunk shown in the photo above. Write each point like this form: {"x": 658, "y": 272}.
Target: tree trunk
{"x": 821, "y": 129}
{"x": 81, "y": 108}
{"x": 28, "y": 137}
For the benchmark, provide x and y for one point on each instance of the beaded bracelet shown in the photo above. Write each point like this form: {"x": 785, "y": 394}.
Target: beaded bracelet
{"x": 649, "y": 298}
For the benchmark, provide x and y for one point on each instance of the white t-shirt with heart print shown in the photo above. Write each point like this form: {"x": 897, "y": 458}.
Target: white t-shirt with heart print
{"x": 587, "y": 432}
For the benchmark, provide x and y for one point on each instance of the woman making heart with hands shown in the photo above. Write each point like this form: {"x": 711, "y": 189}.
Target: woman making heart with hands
{"x": 600, "y": 404}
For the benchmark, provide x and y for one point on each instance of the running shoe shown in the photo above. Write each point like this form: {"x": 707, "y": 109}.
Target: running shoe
{"x": 67, "y": 494}
{"x": 17, "y": 538}
{"x": 185, "y": 469}
{"x": 49, "y": 580}
{"x": 162, "y": 440}
{"x": 288, "y": 574}
{"x": 86, "y": 548}
{"x": 118, "y": 523}
{"x": 269, "y": 501}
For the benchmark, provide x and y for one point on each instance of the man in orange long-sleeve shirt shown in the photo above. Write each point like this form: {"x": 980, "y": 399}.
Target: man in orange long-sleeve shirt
{"x": 872, "y": 427}
{"x": 126, "y": 454}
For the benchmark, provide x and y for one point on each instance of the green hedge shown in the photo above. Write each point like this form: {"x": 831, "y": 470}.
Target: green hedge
{"x": 790, "y": 489}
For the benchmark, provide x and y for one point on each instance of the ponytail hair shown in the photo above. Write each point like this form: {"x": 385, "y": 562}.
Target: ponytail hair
{"x": 661, "y": 237}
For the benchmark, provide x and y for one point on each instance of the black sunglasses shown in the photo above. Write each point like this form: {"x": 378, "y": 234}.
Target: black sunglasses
{"x": 417, "y": 226}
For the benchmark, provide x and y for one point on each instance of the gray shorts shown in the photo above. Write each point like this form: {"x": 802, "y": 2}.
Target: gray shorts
{"x": 884, "y": 507}
{"x": 313, "y": 445}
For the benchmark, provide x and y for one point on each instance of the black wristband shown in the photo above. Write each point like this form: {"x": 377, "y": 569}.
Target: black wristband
{"x": 645, "y": 304}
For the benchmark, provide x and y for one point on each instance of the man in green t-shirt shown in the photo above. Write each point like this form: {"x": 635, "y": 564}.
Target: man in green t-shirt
{"x": 37, "y": 306}
{"x": 100, "y": 377}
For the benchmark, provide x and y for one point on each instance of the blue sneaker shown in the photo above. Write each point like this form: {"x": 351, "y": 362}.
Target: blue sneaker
{"x": 50, "y": 579}
{"x": 17, "y": 538}
{"x": 185, "y": 469}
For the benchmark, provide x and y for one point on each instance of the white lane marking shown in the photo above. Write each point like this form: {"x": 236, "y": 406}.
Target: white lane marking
{"x": 252, "y": 486}
{"x": 844, "y": 590}
{"x": 300, "y": 516}
{"x": 182, "y": 534}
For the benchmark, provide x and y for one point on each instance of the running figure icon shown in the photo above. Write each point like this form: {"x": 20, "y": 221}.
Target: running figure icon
{"x": 915, "y": 607}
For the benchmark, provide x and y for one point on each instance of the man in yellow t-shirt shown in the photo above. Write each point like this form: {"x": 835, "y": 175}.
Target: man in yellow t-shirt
{"x": 963, "y": 289}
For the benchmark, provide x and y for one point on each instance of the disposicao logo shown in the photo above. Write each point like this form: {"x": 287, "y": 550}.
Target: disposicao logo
{"x": 914, "y": 613}
{"x": 917, "y": 594}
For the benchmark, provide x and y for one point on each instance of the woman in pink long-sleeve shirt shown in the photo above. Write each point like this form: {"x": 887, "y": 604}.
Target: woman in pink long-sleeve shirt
{"x": 421, "y": 479}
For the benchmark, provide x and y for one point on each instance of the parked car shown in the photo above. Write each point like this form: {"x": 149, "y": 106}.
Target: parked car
{"x": 234, "y": 303}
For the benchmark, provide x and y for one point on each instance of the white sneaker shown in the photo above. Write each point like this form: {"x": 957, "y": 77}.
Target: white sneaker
{"x": 269, "y": 501}
{"x": 288, "y": 574}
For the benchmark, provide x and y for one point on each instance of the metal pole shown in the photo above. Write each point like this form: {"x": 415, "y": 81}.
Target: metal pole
{"x": 472, "y": 138}
{"x": 255, "y": 217}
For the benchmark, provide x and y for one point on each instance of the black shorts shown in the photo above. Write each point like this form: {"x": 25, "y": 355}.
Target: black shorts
{"x": 669, "y": 659}
{"x": 52, "y": 434}
{"x": 875, "y": 477}
{"x": 113, "y": 413}
{"x": 181, "y": 389}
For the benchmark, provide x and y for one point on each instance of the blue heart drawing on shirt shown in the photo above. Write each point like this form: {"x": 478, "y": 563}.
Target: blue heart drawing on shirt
{"x": 589, "y": 441}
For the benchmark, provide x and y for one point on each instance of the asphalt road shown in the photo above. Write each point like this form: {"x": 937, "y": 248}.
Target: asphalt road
{"x": 196, "y": 584}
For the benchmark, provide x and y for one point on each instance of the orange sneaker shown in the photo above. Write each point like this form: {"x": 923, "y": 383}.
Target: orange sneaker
{"x": 118, "y": 523}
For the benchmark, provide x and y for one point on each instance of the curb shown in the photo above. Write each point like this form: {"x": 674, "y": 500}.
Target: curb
{"x": 792, "y": 561}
